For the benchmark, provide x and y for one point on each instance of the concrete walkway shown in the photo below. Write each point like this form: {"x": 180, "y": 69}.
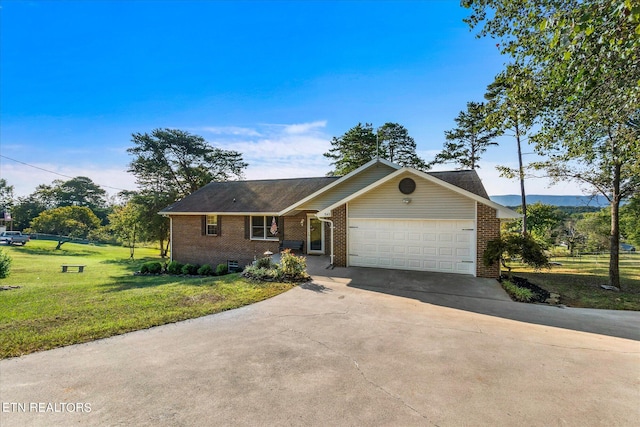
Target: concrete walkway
{"x": 333, "y": 352}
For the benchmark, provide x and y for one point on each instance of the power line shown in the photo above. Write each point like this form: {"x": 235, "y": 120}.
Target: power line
{"x": 56, "y": 173}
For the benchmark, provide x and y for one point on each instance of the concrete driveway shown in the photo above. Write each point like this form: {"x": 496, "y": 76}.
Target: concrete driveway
{"x": 336, "y": 352}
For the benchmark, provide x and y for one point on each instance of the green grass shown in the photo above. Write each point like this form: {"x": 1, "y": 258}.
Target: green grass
{"x": 578, "y": 281}
{"x": 53, "y": 309}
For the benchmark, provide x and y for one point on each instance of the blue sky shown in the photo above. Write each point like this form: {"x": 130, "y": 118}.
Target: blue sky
{"x": 273, "y": 80}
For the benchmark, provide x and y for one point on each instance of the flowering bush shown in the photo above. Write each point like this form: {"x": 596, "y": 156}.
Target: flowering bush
{"x": 291, "y": 268}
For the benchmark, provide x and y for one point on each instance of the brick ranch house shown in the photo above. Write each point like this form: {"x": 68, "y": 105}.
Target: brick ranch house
{"x": 380, "y": 215}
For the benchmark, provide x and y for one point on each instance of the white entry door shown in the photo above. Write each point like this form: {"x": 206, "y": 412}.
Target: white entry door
{"x": 315, "y": 235}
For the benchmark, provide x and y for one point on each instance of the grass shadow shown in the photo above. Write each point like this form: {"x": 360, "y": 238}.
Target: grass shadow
{"x": 126, "y": 283}
{"x": 53, "y": 252}
{"x": 129, "y": 264}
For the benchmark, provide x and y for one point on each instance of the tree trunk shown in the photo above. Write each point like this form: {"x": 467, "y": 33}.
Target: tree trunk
{"x": 523, "y": 195}
{"x": 614, "y": 258}
{"x": 161, "y": 247}
{"x": 166, "y": 249}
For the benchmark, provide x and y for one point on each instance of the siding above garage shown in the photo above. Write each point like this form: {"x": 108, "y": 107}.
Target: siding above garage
{"x": 428, "y": 201}
{"x": 348, "y": 187}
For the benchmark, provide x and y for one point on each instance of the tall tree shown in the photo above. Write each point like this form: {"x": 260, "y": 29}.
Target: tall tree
{"x": 169, "y": 164}
{"x": 513, "y": 110}
{"x": 180, "y": 161}
{"x": 470, "y": 139}
{"x": 585, "y": 54}
{"x": 353, "y": 149}
{"x": 81, "y": 191}
{"x": 361, "y": 144}
{"x": 397, "y": 146}
{"x": 125, "y": 222}
{"x": 66, "y": 222}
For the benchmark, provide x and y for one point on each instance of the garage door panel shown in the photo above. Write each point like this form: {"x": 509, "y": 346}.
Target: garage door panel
{"x": 445, "y": 252}
{"x": 445, "y": 237}
{"x": 463, "y": 252}
{"x": 445, "y": 245}
{"x": 430, "y": 251}
{"x": 414, "y": 250}
{"x": 429, "y": 237}
{"x": 384, "y": 235}
{"x": 463, "y": 238}
{"x": 399, "y": 236}
{"x": 414, "y": 237}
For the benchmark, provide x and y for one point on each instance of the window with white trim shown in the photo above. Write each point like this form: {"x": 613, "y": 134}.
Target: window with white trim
{"x": 264, "y": 227}
{"x": 212, "y": 225}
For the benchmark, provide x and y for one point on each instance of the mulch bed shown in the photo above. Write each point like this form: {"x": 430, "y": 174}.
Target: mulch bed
{"x": 541, "y": 295}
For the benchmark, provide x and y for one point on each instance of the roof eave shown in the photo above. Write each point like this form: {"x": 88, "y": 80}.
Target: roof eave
{"x": 227, "y": 213}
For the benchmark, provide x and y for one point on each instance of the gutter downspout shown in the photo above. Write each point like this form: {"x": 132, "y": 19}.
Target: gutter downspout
{"x": 331, "y": 266}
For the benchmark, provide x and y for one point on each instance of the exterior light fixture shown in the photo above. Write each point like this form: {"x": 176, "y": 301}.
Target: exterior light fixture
{"x": 406, "y": 200}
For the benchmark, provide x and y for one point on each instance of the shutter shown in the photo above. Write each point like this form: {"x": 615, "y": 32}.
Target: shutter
{"x": 247, "y": 227}
{"x": 203, "y": 227}
{"x": 219, "y": 225}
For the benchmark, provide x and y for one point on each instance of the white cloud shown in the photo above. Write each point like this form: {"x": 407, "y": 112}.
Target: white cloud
{"x": 303, "y": 128}
{"x": 229, "y": 130}
{"x": 282, "y": 151}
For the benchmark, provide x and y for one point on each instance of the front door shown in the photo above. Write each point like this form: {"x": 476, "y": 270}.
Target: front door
{"x": 315, "y": 235}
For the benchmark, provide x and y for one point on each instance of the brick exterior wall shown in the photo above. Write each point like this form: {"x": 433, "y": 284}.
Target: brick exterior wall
{"x": 488, "y": 229}
{"x": 339, "y": 218}
{"x": 191, "y": 246}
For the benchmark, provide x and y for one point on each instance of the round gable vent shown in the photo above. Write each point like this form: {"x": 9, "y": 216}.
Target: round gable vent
{"x": 407, "y": 186}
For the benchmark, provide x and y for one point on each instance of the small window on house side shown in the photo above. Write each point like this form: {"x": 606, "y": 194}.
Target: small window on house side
{"x": 263, "y": 228}
{"x": 212, "y": 225}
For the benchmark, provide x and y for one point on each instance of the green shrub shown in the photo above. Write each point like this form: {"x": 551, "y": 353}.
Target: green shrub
{"x": 518, "y": 293}
{"x": 205, "y": 270}
{"x": 263, "y": 274}
{"x": 293, "y": 267}
{"x": 174, "y": 267}
{"x": 515, "y": 245}
{"x": 5, "y": 264}
{"x": 265, "y": 262}
{"x": 153, "y": 267}
{"x": 221, "y": 269}
{"x": 190, "y": 269}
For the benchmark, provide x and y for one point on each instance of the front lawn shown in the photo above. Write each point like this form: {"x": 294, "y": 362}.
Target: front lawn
{"x": 578, "y": 281}
{"x": 53, "y": 309}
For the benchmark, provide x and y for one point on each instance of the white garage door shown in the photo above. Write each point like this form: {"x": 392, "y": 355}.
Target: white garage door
{"x": 426, "y": 245}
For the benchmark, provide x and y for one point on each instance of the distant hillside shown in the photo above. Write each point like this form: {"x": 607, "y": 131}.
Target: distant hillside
{"x": 514, "y": 200}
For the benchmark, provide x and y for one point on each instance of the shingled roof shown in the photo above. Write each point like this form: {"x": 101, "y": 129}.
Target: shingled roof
{"x": 465, "y": 179}
{"x": 268, "y": 196}
{"x": 274, "y": 195}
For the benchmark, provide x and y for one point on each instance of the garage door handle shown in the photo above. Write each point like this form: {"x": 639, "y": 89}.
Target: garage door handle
{"x": 352, "y": 226}
{"x": 468, "y": 229}
{"x": 467, "y": 262}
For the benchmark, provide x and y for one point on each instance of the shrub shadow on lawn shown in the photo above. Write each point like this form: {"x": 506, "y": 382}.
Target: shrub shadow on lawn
{"x": 125, "y": 283}
{"x": 131, "y": 265}
{"x": 54, "y": 252}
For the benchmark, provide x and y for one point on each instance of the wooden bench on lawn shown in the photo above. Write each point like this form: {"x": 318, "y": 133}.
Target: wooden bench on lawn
{"x": 66, "y": 267}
